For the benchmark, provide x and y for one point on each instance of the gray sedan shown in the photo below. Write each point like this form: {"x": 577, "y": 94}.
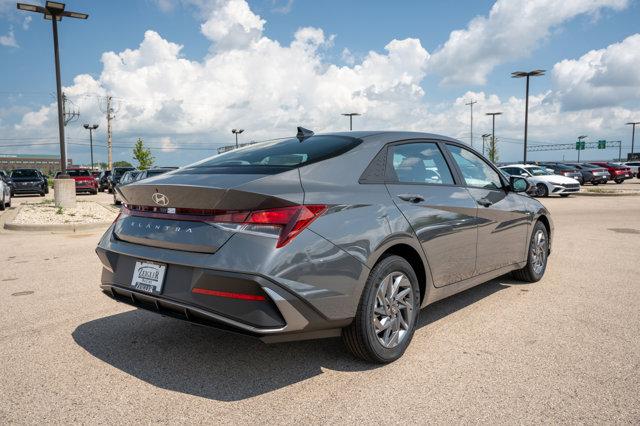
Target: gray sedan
{"x": 343, "y": 234}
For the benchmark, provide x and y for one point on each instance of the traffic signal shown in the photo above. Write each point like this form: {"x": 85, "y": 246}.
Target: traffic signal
{"x": 602, "y": 144}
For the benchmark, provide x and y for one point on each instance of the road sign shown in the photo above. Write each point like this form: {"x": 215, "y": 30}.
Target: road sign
{"x": 580, "y": 145}
{"x": 602, "y": 144}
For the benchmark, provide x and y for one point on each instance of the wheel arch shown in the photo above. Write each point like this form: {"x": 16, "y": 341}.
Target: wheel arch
{"x": 414, "y": 258}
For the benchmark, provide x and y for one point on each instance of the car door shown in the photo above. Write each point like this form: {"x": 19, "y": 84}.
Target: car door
{"x": 440, "y": 210}
{"x": 503, "y": 221}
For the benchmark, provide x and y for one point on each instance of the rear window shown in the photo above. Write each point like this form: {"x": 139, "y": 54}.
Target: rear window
{"x": 76, "y": 173}
{"x": 24, "y": 174}
{"x": 155, "y": 172}
{"x": 275, "y": 157}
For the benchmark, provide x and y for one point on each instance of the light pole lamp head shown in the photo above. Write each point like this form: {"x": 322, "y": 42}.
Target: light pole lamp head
{"x": 633, "y": 123}
{"x": 493, "y": 113}
{"x": 521, "y": 74}
{"x": 582, "y": 137}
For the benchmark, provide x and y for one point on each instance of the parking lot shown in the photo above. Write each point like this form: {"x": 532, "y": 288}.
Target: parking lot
{"x": 565, "y": 349}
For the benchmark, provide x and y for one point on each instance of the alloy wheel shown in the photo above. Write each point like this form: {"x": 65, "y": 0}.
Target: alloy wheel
{"x": 393, "y": 310}
{"x": 538, "y": 251}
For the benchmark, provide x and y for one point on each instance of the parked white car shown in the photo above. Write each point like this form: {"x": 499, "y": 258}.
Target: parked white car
{"x": 545, "y": 182}
{"x": 5, "y": 193}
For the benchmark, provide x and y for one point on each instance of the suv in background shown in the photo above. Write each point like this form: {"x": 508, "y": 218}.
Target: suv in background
{"x": 618, "y": 173}
{"x": 562, "y": 169}
{"x": 84, "y": 180}
{"x": 28, "y": 181}
{"x": 116, "y": 175}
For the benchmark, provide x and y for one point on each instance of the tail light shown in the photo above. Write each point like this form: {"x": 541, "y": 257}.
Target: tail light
{"x": 284, "y": 223}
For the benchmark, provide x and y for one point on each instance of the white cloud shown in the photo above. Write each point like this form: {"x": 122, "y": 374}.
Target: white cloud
{"x": 600, "y": 78}
{"x": 347, "y": 56}
{"x": 282, "y": 6}
{"x": 26, "y": 22}
{"x": 231, "y": 24}
{"x": 512, "y": 30}
{"x": 9, "y": 39}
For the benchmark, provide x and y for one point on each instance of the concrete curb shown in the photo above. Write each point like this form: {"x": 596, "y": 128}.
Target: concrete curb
{"x": 607, "y": 194}
{"x": 65, "y": 227}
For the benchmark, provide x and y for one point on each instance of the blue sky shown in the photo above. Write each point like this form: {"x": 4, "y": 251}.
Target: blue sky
{"x": 422, "y": 99}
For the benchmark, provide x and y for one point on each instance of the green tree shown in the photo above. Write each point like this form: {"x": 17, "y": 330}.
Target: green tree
{"x": 120, "y": 164}
{"x": 493, "y": 150}
{"x": 142, "y": 155}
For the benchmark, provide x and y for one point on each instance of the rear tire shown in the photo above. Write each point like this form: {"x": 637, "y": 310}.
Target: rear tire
{"x": 537, "y": 256}
{"x": 387, "y": 313}
{"x": 564, "y": 195}
{"x": 41, "y": 194}
{"x": 618, "y": 181}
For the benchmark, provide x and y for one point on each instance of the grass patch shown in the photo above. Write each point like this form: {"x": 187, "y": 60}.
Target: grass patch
{"x": 60, "y": 210}
{"x": 601, "y": 191}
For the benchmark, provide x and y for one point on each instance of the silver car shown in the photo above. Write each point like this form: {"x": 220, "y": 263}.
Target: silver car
{"x": 5, "y": 191}
{"x": 343, "y": 234}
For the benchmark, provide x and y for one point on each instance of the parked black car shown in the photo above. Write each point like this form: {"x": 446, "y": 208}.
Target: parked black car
{"x": 103, "y": 180}
{"x": 116, "y": 175}
{"x": 563, "y": 169}
{"x": 28, "y": 181}
{"x": 46, "y": 180}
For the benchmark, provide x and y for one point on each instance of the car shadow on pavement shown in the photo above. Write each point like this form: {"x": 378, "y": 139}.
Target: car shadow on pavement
{"x": 205, "y": 362}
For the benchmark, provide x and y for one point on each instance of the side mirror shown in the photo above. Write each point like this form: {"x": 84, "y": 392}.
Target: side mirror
{"x": 524, "y": 175}
{"x": 519, "y": 184}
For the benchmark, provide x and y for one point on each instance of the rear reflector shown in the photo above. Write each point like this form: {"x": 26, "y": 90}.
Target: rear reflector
{"x": 229, "y": 295}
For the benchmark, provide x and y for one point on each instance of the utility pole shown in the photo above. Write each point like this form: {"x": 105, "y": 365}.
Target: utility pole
{"x": 110, "y": 117}
{"x": 470, "y": 103}
{"x": 69, "y": 115}
{"x": 493, "y": 131}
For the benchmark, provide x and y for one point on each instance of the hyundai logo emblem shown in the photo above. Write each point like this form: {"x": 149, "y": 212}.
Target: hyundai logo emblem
{"x": 160, "y": 199}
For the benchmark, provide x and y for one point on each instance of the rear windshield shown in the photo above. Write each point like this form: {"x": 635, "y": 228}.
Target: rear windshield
{"x": 155, "y": 172}
{"x": 275, "y": 157}
{"x": 561, "y": 167}
{"x": 120, "y": 172}
{"x": 24, "y": 174}
{"x": 76, "y": 173}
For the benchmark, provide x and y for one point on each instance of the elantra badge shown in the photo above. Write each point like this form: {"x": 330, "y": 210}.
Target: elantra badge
{"x": 160, "y": 199}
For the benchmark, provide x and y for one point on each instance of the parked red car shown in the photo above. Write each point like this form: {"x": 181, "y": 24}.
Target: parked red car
{"x": 85, "y": 182}
{"x": 618, "y": 173}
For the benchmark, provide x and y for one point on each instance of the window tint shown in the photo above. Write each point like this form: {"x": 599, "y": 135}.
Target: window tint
{"x": 24, "y": 173}
{"x": 274, "y": 157}
{"x": 420, "y": 163}
{"x": 476, "y": 171}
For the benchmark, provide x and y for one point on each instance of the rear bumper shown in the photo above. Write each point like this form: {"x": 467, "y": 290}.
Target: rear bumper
{"x": 280, "y": 316}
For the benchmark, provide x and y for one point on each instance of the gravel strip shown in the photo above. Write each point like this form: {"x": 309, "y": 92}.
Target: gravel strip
{"x": 45, "y": 213}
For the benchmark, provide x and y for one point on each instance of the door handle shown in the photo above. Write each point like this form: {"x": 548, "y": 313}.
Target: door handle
{"x": 412, "y": 198}
{"x": 484, "y": 202}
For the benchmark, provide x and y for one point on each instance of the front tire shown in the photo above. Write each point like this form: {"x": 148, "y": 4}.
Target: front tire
{"x": 538, "y": 253}
{"x": 618, "y": 181}
{"x": 542, "y": 190}
{"x": 387, "y": 313}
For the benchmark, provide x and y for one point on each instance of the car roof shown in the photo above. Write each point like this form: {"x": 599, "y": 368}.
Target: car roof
{"x": 520, "y": 165}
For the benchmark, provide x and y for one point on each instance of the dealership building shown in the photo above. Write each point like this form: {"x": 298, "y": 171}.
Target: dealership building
{"x": 47, "y": 163}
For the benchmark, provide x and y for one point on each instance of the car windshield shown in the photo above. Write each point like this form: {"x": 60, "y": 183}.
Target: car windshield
{"x": 24, "y": 174}
{"x": 274, "y": 157}
{"x": 538, "y": 171}
{"x": 77, "y": 173}
{"x": 561, "y": 167}
{"x": 590, "y": 166}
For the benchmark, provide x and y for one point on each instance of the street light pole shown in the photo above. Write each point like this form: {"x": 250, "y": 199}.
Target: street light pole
{"x": 351, "y": 115}
{"x": 633, "y": 133}
{"x": 484, "y": 139}
{"x": 237, "y": 132}
{"x": 54, "y": 11}
{"x": 580, "y": 138}
{"x": 520, "y": 74}
{"x": 470, "y": 103}
{"x": 91, "y": 129}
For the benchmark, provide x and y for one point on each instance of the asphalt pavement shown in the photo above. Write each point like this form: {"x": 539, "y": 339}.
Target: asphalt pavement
{"x": 565, "y": 349}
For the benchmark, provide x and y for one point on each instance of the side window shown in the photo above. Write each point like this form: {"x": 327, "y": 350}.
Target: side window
{"x": 420, "y": 163}
{"x": 510, "y": 170}
{"x": 475, "y": 170}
